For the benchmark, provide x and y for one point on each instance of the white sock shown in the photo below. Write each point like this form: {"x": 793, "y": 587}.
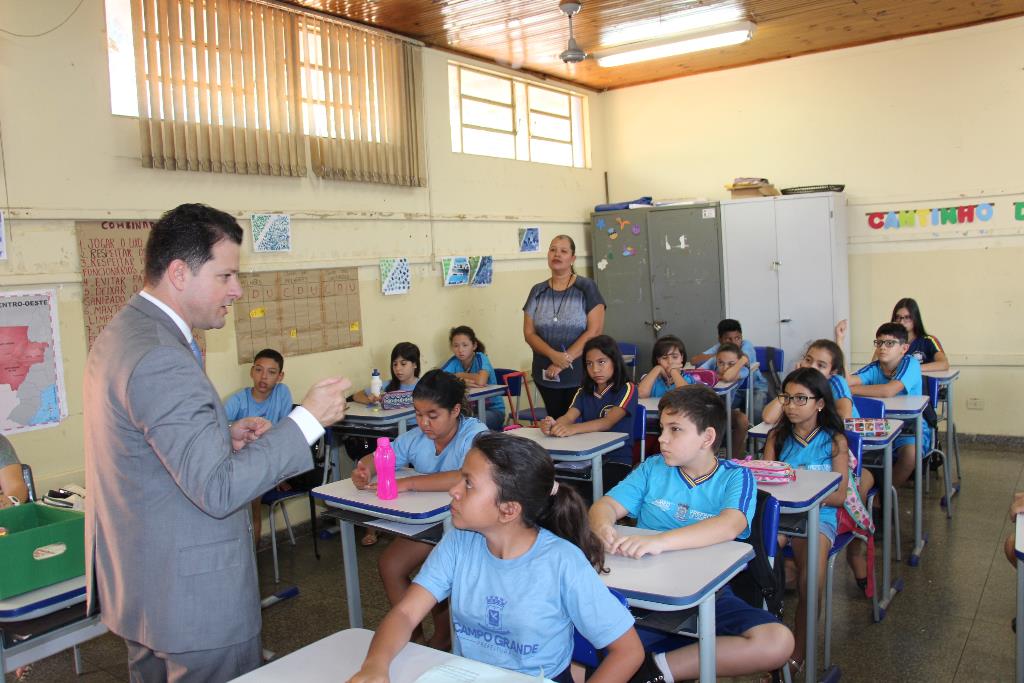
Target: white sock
{"x": 662, "y": 663}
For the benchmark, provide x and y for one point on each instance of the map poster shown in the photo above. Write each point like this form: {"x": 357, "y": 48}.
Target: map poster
{"x": 297, "y": 312}
{"x": 32, "y": 392}
{"x": 111, "y": 255}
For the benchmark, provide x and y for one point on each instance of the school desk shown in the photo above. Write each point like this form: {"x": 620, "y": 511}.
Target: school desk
{"x": 374, "y": 417}
{"x": 908, "y": 408}
{"x": 43, "y": 622}
{"x": 339, "y": 656}
{"x": 946, "y": 378}
{"x": 805, "y": 495}
{"x": 481, "y": 394}
{"x": 415, "y": 512}
{"x": 884, "y": 442}
{"x": 578, "y": 447}
{"x": 1018, "y": 551}
{"x": 727, "y": 390}
{"x": 677, "y": 580}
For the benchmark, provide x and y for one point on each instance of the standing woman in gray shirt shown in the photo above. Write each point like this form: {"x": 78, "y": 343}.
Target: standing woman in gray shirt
{"x": 559, "y": 316}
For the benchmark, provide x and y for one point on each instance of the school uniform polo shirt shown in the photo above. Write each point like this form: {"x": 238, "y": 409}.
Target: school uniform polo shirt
{"x": 661, "y": 387}
{"x": 908, "y": 372}
{"x": 841, "y": 389}
{"x": 415, "y": 449}
{"x": 924, "y": 348}
{"x": 662, "y": 497}
{"x": 594, "y": 406}
{"x": 760, "y": 383}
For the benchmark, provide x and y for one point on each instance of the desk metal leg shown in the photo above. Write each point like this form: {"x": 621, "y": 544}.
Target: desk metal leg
{"x": 888, "y": 591}
{"x": 810, "y": 656}
{"x": 706, "y": 632}
{"x": 919, "y": 539}
{"x": 351, "y": 562}
{"x": 951, "y": 433}
{"x": 597, "y": 476}
{"x": 481, "y": 409}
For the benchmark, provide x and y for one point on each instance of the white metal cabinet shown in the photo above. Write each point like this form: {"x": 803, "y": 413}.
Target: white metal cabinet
{"x": 786, "y": 273}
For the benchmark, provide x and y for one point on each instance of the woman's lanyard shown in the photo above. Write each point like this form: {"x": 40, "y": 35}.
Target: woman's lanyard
{"x": 561, "y": 300}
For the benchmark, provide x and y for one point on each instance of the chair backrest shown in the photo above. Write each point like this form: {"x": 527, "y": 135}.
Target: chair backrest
{"x": 640, "y": 429}
{"x": 705, "y": 376}
{"x": 30, "y": 484}
{"x": 855, "y": 443}
{"x": 629, "y": 349}
{"x": 773, "y": 364}
{"x": 582, "y": 651}
{"x": 869, "y": 407}
{"x": 931, "y": 390}
{"x": 513, "y": 379}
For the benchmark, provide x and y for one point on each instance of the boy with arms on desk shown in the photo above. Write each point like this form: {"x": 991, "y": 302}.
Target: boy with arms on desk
{"x": 267, "y": 398}
{"x": 695, "y": 500}
{"x": 895, "y": 373}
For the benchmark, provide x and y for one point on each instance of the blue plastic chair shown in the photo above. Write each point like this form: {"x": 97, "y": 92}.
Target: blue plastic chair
{"x": 778, "y": 358}
{"x": 630, "y": 349}
{"x": 514, "y": 381}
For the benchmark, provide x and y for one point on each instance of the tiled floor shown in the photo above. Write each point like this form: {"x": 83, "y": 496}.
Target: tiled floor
{"x": 951, "y": 623}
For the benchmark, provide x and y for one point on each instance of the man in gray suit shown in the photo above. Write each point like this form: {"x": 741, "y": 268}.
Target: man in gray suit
{"x": 168, "y": 536}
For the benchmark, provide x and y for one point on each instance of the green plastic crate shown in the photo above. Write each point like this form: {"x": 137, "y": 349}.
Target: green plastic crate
{"x": 43, "y": 546}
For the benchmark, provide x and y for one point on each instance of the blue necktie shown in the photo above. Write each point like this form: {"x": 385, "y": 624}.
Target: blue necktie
{"x": 197, "y": 353}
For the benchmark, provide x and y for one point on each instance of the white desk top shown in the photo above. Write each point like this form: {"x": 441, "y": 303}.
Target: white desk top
{"x": 42, "y": 601}
{"x": 808, "y": 489}
{"x": 760, "y": 430}
{"x": 944, "y": 376}
{"x": 363, "y": 414}
{"x": 651, "y": 402}
{"x": 416, "y": 507}
{"x": 483, "y": 392}
{"x": 338, "y": 657}
{"x": 582, "y": 445}
{"x": 905, "y": 405}
{"x": 677, "y": 579}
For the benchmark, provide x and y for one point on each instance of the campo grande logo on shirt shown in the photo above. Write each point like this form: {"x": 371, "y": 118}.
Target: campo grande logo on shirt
{"x": 495, "y": 605}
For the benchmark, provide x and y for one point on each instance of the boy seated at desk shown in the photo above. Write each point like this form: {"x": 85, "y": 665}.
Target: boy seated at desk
{"x": 731, "y": 332}
{"x": 695, "y": 500}
{"x": 267, "y": 398}
{"x": 894, "y": 374}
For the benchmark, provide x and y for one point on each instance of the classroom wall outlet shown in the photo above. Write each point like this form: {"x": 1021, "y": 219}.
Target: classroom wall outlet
{"x": 975, "y": 404}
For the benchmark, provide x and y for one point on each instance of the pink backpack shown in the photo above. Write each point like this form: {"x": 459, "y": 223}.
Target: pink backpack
{"x": 768, "y": 471}
{"x": 703, "y": 375}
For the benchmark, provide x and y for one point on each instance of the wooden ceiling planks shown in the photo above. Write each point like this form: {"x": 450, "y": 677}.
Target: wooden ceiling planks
{"x": 529, "y": 34}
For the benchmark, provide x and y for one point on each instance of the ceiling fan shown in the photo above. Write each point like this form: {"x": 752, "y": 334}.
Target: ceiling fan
{"x": 572, "y": 53}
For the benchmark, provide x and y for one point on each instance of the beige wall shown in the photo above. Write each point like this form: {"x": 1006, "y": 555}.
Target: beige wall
{"x": 68, "y": 158}
{"x": 930, "y": 121}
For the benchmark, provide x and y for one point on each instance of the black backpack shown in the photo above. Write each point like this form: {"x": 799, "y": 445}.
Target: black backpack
{"x": 761, "y": 583}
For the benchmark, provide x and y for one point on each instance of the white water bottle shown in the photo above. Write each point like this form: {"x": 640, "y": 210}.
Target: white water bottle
{"x": 376, "y": 385}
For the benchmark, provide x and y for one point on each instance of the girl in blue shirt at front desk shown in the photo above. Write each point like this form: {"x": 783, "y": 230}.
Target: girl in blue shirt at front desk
{"x": 435, "y": 449}
{"x": 519, "y": 568}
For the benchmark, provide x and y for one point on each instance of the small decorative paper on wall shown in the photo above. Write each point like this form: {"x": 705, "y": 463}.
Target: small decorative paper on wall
{"x": 529, "y": 239}
{"x": 271, "y": 232}
{"x": 394, "y": 276}
{"x": 481, "y": 271}
{"x": 455, "y": 270}
{"x": 3, "y": 238}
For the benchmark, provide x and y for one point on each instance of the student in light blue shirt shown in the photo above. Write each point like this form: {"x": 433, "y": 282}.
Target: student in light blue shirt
{"x": 810, "y": 436}
{"x": 668, "y": 357}
{"x": 470, "y": 363}
{"x": 731, "y": 332}
{"x": 267, "y": 398}
{"x": 695, "y": 500}
{"x": 825, "y": 356}
{"x": 894, "y": 374}
{"x": 519, "y": 568}
{"x": 435, "y": 448}
{"x": 405, "y": 372}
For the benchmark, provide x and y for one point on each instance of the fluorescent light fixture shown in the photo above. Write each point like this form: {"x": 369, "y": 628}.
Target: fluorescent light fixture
{"x": 720, "y": 36}
{"x": 684, "y": 21}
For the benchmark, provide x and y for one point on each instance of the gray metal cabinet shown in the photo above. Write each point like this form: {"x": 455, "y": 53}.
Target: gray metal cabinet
{"x": 660, "y": 272}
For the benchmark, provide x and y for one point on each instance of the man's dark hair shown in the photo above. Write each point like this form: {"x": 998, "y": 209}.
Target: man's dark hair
{"x": 892, "y": 330}
{"x": 699, "y": 404}
{"x": 273, "y": 355}
{"x": 187, "y": 232}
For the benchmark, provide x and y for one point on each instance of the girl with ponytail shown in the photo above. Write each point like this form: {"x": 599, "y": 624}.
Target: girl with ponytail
{"x": 519, "y": 567}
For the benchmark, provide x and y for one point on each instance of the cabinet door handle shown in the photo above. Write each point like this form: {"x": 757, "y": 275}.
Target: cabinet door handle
{"x": 786, "y": 320}
{"x": 656, "y": 324}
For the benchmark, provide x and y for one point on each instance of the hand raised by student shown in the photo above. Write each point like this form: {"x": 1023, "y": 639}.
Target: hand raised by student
{"x": 362, "y": 475}
{"x": 1017, "y": 506}
{"x": 325, "y": 400}
{"x": 637, "y": 546}
{"x": 247, "y": 430}
{"x": 841, "y": 327}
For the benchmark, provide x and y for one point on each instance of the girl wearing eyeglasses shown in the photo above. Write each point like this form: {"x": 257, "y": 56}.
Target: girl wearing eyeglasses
{"x": 809, "y": 436}
{"x": 924, "y": 347}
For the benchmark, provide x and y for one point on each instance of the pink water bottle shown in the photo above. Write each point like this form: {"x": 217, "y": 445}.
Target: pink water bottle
{"x": 384, "y": 462}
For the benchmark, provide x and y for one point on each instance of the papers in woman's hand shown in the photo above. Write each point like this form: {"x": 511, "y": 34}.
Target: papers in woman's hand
{"x": 459, "y": 670}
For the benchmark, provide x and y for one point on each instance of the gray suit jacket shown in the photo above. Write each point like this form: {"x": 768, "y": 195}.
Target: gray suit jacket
{"x": 168, "y": 542}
